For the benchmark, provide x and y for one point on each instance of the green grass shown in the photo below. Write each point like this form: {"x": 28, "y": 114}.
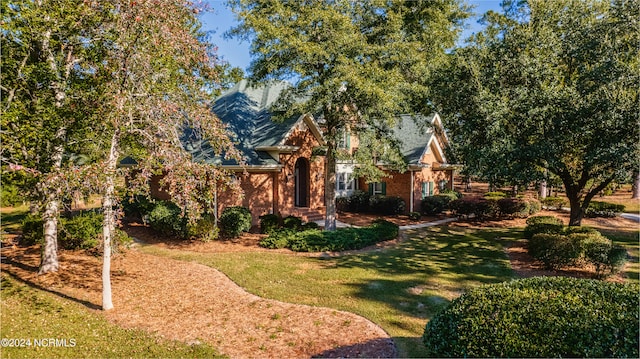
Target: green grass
{"x": 29, "y": 313}
{"x": 11, "y": 218}
{"x": 629, "y": 240}
{"x": 398, "y": 288}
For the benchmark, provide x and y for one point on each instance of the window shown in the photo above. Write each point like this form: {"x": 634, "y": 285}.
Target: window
{"x": 344, "y": 182}
{"x": 427, "y": 189}
{"x": 378, "y": 188}
{"x": 442, "y": 185}
{"x": 344, "y": 140}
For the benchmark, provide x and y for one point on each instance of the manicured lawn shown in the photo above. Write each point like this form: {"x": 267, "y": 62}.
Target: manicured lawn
{"x": 31, "y": 314}
{"x": 398, "y": 288}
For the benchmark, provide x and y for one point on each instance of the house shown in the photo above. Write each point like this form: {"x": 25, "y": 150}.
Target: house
{"x": 283, "y": 173}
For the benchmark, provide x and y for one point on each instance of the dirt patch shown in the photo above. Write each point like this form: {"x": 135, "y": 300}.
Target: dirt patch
{"x": 191, "y": 303}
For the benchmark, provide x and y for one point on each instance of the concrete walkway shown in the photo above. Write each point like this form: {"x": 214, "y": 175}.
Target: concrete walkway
{"x": 410, "y": 226}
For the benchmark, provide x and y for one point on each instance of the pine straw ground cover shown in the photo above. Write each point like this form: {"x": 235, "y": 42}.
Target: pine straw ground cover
{"x": 196, "y": 304}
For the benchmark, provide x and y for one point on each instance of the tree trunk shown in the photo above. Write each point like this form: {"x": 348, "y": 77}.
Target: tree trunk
{"x": 49, "y": 259}
{"x": 635, "y": 188}
{"x": 330, "y": 188}
{"x": 576, "y": 214}
{"x": 543, "y": 189}
{"x": 108, "y": 225}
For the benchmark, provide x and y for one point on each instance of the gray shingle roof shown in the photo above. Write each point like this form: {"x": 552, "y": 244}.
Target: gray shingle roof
{"x": 245, "y": 110}
{"x": 413, "y": 137}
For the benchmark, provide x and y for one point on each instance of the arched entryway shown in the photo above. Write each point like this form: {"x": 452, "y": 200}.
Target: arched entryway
{"x": 301, "y": 178}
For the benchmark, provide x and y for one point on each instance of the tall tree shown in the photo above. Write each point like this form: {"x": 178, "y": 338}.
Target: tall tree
{"x": 549, "y": 85}
{"x": 47, "y": 98}
{"x": 355, "y": 64}
{"x": 159, "y": 78}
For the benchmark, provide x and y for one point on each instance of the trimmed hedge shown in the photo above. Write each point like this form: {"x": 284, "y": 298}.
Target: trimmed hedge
{"x": 314, "y": 240}
{"x": 166, "y": 218}
{"x": 494, "y": 207}
{"x": 554, "y": 203}
{"x": 603, "y": 209}
{"x": 235, "y": 220}
{"x": 539, "y": 317}
{"x": 542, "y": 224}
{"x": 386, "y": 205}
{"x": 433, "y": 205}
{"x": 269, "y": 222}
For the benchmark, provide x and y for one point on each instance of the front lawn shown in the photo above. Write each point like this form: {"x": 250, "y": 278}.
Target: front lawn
{"x": 48, "y": 326}
{"x": 399, "y": 288}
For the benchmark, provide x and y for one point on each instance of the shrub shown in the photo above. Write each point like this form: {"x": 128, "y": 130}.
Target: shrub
{"x": 539, "y": 317}
{"x": 204, "y": 229}
{"x": 310, "y": 225}
{"x": 269, "y": 222}
{"x": 433, "y": 205}
{"x": 32, "y": 231}
{"x": 414, "y": 216}
{"x": 292, "y": 222}
{"x": 496, "y": 194}
{"x": 314, "y": 240}
{"x": 359, "y": 201}
{"x": 10, "y": 195}
{"x": 556, "y": 250}
{"x": 465, "y": 206}
{"x": 542, "y": 224}
{"x": 386, "y": 205}
{"x": 451, "y": 194}
{"x": 607, "y": 258}
{"x": 166, "y": 218}
{"x": 534, "y": 206}
{"x": 514, "y": 207}
{"x": 554, "y": 203}
{"x": 137, "y": 206}
{"x": 487, "y": 209}
{"x": 603, "y": 209}
{"x": 81, "y": 231}
{"x": 234, "y": 221}
{"x": 342, "y": 204}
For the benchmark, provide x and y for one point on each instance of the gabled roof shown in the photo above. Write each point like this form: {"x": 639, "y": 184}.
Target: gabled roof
{"x": 245, "y": 109}
{"x": 417, "y": 137}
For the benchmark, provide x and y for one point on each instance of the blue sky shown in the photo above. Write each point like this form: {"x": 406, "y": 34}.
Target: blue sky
{"x": 221, "y": 19}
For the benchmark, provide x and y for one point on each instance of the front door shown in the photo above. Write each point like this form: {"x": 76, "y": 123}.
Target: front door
{"x": 301, "y": 176}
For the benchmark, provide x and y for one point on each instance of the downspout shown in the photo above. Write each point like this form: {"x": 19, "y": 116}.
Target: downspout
{"x": 411, "y": 192}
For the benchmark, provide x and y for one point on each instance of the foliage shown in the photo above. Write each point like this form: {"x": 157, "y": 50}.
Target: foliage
{"x": 355, "y": 64}
{"x": 414, "y": 216}
{"x": 451, "y": 194}
{"x": 518, "y": 207}
{"x": 539, "y": 317}
{"x": 82, "y": 231}
{"x": 314, "y": 240}
{"x": 547, "y": 86}
{"x": 204, "y": 228}
{"x": 495, "y": 195}
{"x": 556, "y": 203}
{"x": 357, "y": 202}
{"x": 166, "y": 218}
{"x": 292, "y": 222}
{"x": 433, "y": 205}
{"x": 603, "y": 209}
{"x": 137, "y": 206}
{"x": 385, "y": 205}
{"x": 542, "y": 224}
{"x": 10, "y": 196}
{"x": 234, "y": 221}
{"x": 32, "y": 231}
{"x": 576, "y": 247}
{"x": 269, "y": 222}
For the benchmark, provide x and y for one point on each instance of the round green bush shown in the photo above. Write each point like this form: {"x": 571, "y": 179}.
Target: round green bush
{"x": 539, "y": 317}
{"x": 554, "y": 203}
{"x": 292, "y": 222}
{"x": 542, "y": 224}
{"x": 81, "y": 231}
{"x": 269, "y": 222}
{"x": 603, "y": 209}
{"x": 234, "y": 221}
{"x": 556, "y": 250}
{"x": 32, "y": 231}
{"x": 433, "y": 205}
{"x": 166, "y": 218}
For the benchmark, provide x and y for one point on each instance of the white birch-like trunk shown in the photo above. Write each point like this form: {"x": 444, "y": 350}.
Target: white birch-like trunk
{"x": 543, "y": 189}
{"x": 109, "y": 222}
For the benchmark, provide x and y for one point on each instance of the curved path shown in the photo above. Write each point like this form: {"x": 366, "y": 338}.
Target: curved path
{"x": 192, "y": 302}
